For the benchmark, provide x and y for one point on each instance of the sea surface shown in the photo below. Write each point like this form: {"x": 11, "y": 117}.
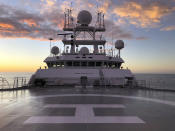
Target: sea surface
{"x": 160, "y": 81}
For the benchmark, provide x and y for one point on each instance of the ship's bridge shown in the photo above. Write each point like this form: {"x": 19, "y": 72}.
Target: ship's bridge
{"x": 78, "y": 60}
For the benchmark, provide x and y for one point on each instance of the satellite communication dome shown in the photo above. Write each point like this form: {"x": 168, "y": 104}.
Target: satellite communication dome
{"x": 84, "y": 17}
{"x": 84, "y": 50}
{"x": 55, "y": 50}
{"x": 119, "y": 44}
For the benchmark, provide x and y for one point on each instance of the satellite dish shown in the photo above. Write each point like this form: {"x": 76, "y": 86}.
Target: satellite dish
{"x": 84, "y": 50}
{"x": 55, "y": 50}
{"x": 119, "y": 44}
{"x": 84, "y": 17}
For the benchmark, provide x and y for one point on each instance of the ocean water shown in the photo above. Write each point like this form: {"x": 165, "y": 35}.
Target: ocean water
{"x": 160, "y": 81}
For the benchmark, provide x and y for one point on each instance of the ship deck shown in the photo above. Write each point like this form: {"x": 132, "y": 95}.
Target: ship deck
{"x": 76, "y": 109}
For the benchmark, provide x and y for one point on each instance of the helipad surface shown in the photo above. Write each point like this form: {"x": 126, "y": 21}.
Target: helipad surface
{"x": 92, "y": 110}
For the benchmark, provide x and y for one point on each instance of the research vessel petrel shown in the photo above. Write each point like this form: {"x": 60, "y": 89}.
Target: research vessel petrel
{"x": 77, "y": 64}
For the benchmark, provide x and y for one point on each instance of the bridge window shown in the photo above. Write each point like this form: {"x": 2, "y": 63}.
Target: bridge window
{"x": 69, "y": 63}
{"x": 91, "y": 64}
{"x": 84, "y": 64}
{"x": 76, "y": 63}
{"x": 98, "y": 63}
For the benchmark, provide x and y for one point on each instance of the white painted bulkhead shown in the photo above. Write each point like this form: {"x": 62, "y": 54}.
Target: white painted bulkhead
{"x": 66, "y": 76}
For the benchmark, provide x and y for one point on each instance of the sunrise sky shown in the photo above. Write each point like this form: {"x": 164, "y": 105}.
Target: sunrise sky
{"x": 146, "y": 26}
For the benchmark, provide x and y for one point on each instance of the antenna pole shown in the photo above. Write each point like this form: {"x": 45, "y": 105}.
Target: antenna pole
{"x": 50, "y": 47}
{"x": 119, "y": 53}
{"x": 50, "y": 44}
{"x": 103, "y": 21}
{"x": 100, "y": 19}
{"x": 65, "y": 21}
{"x": 68, "y": 17}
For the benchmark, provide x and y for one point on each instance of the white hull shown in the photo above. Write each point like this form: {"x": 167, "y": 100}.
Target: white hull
{"x": 72, "y": 76}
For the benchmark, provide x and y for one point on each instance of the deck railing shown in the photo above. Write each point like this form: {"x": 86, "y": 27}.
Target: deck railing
{"x": 141, "y": 84}
{"x": 4, "y": 84}
{"x": 17, "y": 83}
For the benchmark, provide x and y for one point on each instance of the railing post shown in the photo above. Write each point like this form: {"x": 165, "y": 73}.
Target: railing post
{"x": 17, "y": 82}
{"x": 25, "y": 82}
{"x": 14, "y": 84}
{"x": 22, "y": 82}
{"x": 2, "y": 83}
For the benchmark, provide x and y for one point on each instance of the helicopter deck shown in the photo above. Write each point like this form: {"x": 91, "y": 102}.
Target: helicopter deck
{"x": 87, "y": 109}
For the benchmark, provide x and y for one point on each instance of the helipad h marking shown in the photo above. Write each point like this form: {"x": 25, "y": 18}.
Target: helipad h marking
{"x": 66, "y": 119}
{"x": 84, "y": 114}
{"x": 85, "y": 105}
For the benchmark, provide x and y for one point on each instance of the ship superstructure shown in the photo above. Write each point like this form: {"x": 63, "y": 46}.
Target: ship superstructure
{"x": 77, "y": 64}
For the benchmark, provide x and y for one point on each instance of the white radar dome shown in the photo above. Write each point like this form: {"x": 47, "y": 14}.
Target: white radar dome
{"x": 119, "y": 44}
{"x": 55, "y": 50}
{"x": 84, "y": 17}
{"x": 84, "y": 50}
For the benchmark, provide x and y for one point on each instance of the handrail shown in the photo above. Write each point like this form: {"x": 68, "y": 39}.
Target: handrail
{"x": 19, "y": 82}
{"x": 4, "y": 83}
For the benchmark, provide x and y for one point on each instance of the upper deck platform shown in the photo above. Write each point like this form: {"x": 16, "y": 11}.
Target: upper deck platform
{"x": 85, "y": 28}
{"x": 85, "y": 42}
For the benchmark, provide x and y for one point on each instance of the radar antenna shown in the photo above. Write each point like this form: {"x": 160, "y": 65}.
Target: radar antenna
{"x": 119, "y": 44}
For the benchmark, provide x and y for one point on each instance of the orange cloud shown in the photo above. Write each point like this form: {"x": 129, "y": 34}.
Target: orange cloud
{"x": 61, "y": 24}
{"x": 143, "y": 15}
{"x": 168, "y": 28}
{"x": 6, "y": 26}
{"x": 90, "y": 5}
{"x": 49, "y": 2}
{"x": 29, "y": 22}
{"x": 105, "y": 6}
{"x": 47, "y": 24}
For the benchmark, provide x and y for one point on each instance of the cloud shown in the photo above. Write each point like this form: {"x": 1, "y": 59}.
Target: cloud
{"x": 105, "y": 6}
{"x": 141, "y": 38}
{"x": 144, "y": 15}
{"x": 116, "y": 32}
{"x": 48, "y": 3}
{"x": 168, "y": 28}
{"x": 19, "y": 23}
{"x": 6, "y": 26}
{"x": 16, "y": 23}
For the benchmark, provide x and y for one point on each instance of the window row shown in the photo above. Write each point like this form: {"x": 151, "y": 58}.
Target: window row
{"x": 84, "y": 64}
